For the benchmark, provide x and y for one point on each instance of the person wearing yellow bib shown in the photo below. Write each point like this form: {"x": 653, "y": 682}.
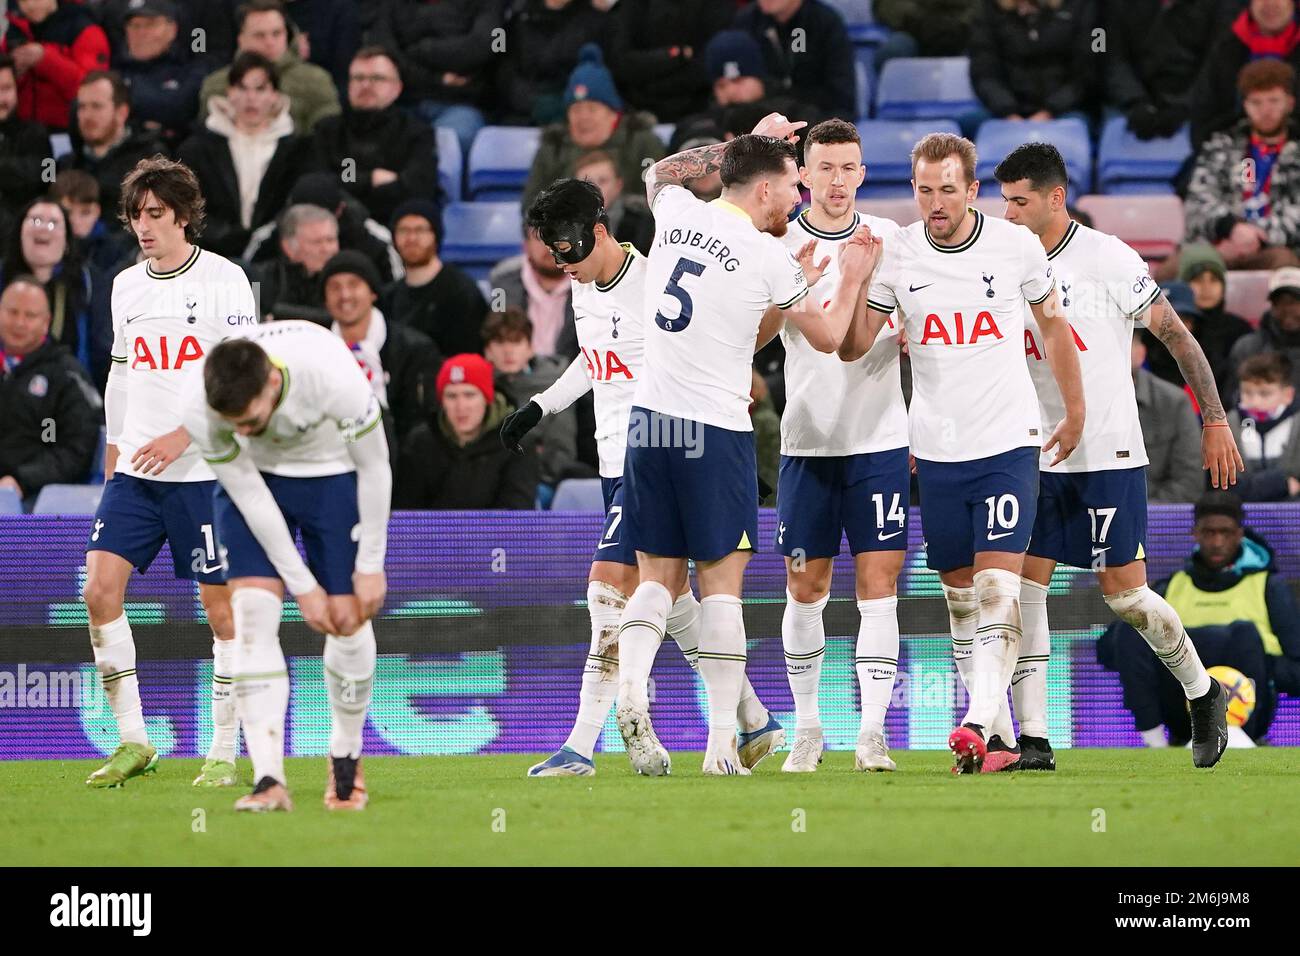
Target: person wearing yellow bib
{"x": 1238, "y": 610}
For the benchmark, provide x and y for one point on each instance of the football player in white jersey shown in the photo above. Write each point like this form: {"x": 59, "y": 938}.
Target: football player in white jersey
{"x": 690, "y": 479}
{"x": 961, "y": 282}
{"x": 1092, "y": 509}
{"x": 290, "y": 425}
{"x": 608, "y": 307}
{"x": 168, "y": 311}
{"x": 844, "y": 467}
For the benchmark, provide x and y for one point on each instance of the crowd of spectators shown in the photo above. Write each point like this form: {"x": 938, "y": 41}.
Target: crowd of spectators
{"x": 311, "y": 125}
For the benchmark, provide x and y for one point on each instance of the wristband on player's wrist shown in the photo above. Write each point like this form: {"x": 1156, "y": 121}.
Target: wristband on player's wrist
{"x": 1214, "y": 424}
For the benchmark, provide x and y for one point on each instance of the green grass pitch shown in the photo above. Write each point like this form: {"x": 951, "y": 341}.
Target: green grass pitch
{"x": 1114, "y": 807}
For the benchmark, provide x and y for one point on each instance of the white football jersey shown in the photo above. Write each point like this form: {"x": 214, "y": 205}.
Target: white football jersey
{"x": 710, "y": 277}
{"x": 163, "y": 325}
{"x": 835, "y": 408}
{"x": 964, "y": 310}
{"x": 1102, "y": 286}
{"x": 325, "y": 401}
{"x": 611, "y": 336}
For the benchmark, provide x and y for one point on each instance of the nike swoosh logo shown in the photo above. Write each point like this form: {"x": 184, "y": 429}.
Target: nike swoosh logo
{"x": 1097, "y": 551}
{"x": 602, "y": 546}
{"x": 886, "y": 537}
{"x": 918, "y": 288}
{"x": 210, "y": 570}
{"x": 1017, "y": 680}
{"x": 994, "y": 537}
{"x": 886, "y": 677}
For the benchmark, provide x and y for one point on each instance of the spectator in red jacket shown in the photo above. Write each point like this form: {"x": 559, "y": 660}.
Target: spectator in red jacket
{"x": 54, "y": 45}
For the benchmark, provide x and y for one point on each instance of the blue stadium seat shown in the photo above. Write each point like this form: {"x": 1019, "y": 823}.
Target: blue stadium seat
{"x": 861, "y": 21}
{"x": 500, "y": 159}
{"x": 665, "y": 132}
{"x": 925, "y": 88}
{"x": 578, "y": 494}
{"x": 887, "y": 152}
{"x": 864, "y": 77}
{"x": 451, "y": 165}
{"x": 10, "y": 502}
{"x": 1126, "y": 164}
{"x": 996, "y": 138}
{"x": 97, "y": 463}
{"x": 68, "y": 500}
{"x": 478, "y": 235}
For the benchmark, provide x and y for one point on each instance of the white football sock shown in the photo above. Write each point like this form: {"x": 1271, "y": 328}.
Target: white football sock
{"x": 225, "y": 725}
{"x": 115, "y": 660}
{"x": 605, "y": 604}
{"x": 684, "y": 628}
{"x": 804, "y": 636}
{"x": 350, "y": 676}
{"x": 261, "y": 679}
{"x": 997, "y": 644}
{"x": 640, "y": 632}
{"x": 876, "y": 660}
{"x": 963, "y": 618}
{"x": 722, "y": 663}
{"x": 1151, "y": 616}
{"x": 1155, "y": 737}
{"x": 1029, "y": 683}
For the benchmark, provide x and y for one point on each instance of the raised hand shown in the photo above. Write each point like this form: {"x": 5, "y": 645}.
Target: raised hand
{"x": 811, "y": 271}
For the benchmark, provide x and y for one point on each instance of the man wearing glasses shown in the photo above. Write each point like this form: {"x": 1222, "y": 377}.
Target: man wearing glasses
{"x": 386, "y": 155}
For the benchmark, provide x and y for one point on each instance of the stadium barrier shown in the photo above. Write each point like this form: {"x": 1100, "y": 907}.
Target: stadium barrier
{"x": 484, "y": 633}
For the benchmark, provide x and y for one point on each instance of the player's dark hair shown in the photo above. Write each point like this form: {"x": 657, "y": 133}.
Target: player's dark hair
{"x": 235, "y": 373}
{"x": 175, "y": 186}
{"x": 1040, "y": 163}
{"x": 832, "y": 131}
{"x": 260, "y": 6}
{"x": 508, "y": 326}
{"x": 1223, "y": 503}
{"x": 74, "y": 185}
{"x": 750, "y": 157}
{"x": 1273, "y": 368}
{"x": 246, "y": 62}
{"x": 121, "y": 95}
{"x": 567, "y": 200}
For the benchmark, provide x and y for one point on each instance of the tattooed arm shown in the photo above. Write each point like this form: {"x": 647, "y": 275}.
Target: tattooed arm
{"x": 680, "y": 168}
{"x": 1219, "y": 451}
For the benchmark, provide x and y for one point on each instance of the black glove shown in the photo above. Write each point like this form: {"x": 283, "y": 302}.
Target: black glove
{"x": 1143, "y": 120}
{"x": 518, "y": 424}
{"x": 764, "y": 489}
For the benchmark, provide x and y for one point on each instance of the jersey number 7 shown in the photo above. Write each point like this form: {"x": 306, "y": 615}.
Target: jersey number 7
{"x": 683, "y": 319}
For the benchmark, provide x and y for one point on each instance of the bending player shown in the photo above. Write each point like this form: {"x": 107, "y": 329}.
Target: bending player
{"x": 609, "y": 303}
{"x": 690, "y": 485}
{"x": 168, "y": 311}
{"x": 962, "y": 282}
{"x": 844, "y": 467}
{"x": 1092, "y": 509}
{"x": 291, "y": 426}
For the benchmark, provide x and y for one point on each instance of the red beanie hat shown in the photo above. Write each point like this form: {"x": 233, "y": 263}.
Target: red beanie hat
{"x": 467, "y": 369}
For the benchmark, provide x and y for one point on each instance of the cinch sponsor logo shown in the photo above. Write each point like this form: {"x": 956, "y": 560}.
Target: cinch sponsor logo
{"x": 75, "y": 908}
{"x": 241, "y": 320}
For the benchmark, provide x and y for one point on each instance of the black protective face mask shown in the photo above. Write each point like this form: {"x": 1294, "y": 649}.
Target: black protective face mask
{"x": 576, "y": 241}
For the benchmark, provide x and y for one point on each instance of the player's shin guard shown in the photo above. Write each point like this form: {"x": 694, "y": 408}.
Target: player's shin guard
{"x": 803, "y": 635}
{"x": 261, "y": 679}
{"x": 876, "y": 660}
{"x": 115, "y": 660}
{"x": 605, "y": 604}
{"x": 350, "y": 676}
{"x": 1151, "y": 616}
{"x": 640, "y": 632}
{"x": 963, "y": 618}
{"x": 997, "y": 644}
{"x": 225, "y": 725}
{"x": 1029, "y": 682}
{"x": 684, "y": 628}
{"x": 722, "y": 663}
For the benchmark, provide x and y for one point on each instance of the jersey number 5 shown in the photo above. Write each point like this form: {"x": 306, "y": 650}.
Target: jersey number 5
{"x": 673, "y": 288}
